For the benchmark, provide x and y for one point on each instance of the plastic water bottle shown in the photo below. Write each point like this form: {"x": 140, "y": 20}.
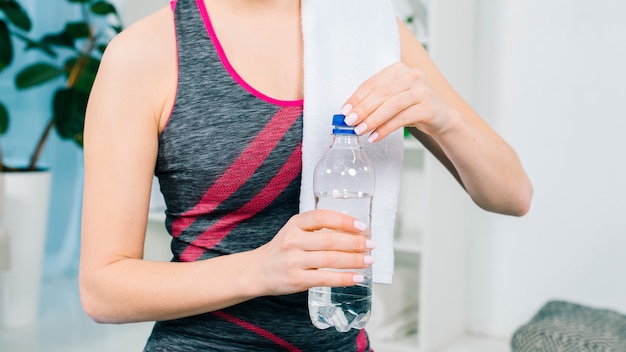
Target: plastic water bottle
{"x": 344, "y": 181}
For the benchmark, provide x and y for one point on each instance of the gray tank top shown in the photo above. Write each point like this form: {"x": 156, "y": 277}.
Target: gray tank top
{"x": 229, "y": 163}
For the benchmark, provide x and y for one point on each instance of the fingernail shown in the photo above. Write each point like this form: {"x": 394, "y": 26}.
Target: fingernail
{"x": 346, "y": 109}
{"x": 350, "y": 119}
{"x": 372, "y": 137}
{"x": 368, "y": 259}
{"x": 358, "y": 278}
{"x": 370, "y": 244}
{"x": 360, "y": 128}
{"x": 359, "y": 225}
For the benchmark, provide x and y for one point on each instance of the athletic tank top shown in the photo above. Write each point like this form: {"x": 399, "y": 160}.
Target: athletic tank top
{"x": 228, "y": 164}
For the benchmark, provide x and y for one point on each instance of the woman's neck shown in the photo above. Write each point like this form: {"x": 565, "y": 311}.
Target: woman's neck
{"x": 256, "y": 6}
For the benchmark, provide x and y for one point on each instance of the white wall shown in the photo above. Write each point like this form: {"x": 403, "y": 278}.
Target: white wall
{"x": 132, "y": 10}
{"x": 551, "y": 78}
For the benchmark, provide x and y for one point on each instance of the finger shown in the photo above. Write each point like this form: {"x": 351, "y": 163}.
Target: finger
{"x": 328, "y": 278}
{"x": 386, "y": 129}
{"x": 373, "y": 92}
{"x": 338, "y": 260}
{"x": 336, "y": 241}
{"x": 414, "y": 115}
{"x": 390, "y": 113}
{"x": 328, "y": 219}
{"x": 370, "y": 85}
{"x": 360, "y": 115}
{"x": 372, "y": 102}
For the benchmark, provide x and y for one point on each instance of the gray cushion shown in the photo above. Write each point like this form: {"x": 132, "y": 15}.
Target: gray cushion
{"x": 567, "y": 327}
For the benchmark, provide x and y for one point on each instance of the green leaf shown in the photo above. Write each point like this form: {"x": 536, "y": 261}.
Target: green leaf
{"x": 103, "y": 8}
{"x": 6, "y": 47}
{"x": 58, "y": 39}
{"x": 77, "y": 30}
{"x": 68, "y": 36}
{"x": 69, "y": 106}
{"x": 30, "y": 44}
{"x": 87, "y": 75}
{"x": 37, "y": 74}
{"x": 117, "y": 29}
{"x": 16, "y": 14}
{"x": 4, "y": 119}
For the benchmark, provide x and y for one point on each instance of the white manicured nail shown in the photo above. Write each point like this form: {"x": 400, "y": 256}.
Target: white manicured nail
{"x": 346, "y": 109}
{"x": 358, "y": 278}
{"x": 360, "y": 128}
{"x": 368, "y": 259}
{"x": 350, "y": 119}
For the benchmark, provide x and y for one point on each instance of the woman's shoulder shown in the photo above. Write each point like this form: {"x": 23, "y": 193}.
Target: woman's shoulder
{"x": 140, "y": 64}
{"x": 149, "y": 43}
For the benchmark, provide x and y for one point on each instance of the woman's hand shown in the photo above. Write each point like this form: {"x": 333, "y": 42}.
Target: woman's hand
{"x": 414, "y": 93}
{"x": 307, "y": 242}
{"x": 396, "y": 97}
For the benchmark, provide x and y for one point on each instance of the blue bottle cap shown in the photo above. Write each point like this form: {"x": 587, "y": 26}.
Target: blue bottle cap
{"x": 339, "y": 120}
{"x": 340, "y": 126}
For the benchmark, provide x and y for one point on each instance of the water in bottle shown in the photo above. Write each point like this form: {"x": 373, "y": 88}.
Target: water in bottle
{"x": 344, "y": 181}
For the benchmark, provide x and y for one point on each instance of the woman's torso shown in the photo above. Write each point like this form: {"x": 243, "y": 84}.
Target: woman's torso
{"x": 229, "y": 168}
{"x": 270, "y": 60}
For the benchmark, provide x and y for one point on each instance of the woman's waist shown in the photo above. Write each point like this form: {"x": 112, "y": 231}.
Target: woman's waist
{"x": 263, "y": 324}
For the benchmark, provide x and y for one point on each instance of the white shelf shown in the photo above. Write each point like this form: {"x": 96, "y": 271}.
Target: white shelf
{"x": 407, "y": 247}
{"x": 412, "y": 144}
{"x": 419, "y": 13}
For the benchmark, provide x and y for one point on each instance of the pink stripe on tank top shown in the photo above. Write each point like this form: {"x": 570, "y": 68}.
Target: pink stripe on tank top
{"x": 214, "y": 234}
{"x": 258, "y": 330}
{"x": 361, "y": 342}
{"x": 241, "y": 169}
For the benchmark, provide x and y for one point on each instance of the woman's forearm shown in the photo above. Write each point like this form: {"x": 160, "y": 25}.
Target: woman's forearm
{"x": 133, "y": 290}
{"x": 489, "y": 168}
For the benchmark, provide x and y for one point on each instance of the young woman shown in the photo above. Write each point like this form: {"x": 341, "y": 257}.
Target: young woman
{"x": 208, "y": 96}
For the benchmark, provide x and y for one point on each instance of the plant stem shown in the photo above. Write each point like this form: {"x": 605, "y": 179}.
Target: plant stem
{"x": 83, "y": 58}
{"x": 42, "y": 140}
{"x": 73, "y": 76}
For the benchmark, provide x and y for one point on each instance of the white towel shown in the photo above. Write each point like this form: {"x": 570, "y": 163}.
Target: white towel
{"x": 345, "y": 43}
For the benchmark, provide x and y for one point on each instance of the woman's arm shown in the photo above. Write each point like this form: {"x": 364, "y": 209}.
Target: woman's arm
{"x": 121, "y": 131}
{"x": 130, "y": 102}
{"x": 415, "y": 94}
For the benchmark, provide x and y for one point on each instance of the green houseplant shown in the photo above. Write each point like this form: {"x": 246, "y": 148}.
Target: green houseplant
{"x": 66, "y": 59}
{"x": 72, "y": 52}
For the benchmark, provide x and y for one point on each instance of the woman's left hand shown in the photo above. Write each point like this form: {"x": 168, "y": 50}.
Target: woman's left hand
{"x": 398, "y": 96}
{"x": 403, "y": 95}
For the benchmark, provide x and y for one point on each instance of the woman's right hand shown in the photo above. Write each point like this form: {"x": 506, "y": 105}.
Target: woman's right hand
{"x": 309, "y": 241}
